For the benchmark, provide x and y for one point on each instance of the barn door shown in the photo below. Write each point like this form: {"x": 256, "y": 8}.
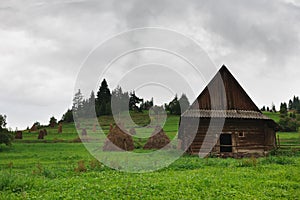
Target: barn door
{"x": 225, "y": 143}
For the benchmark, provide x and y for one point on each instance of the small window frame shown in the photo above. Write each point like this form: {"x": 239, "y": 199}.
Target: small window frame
{"x": 241, "y": 134}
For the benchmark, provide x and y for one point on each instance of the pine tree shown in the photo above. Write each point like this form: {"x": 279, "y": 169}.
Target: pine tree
{"x": 52, "y": 121}
{"x": 174, "y": 106}
{"x": 2, "y": 122}
{"x": 133, "y": 101}
{"x": 283, "y": 109}
{"x": 120, "y": 100}
{"x": 290, "y": 105}
{"x": 273, "y": 108}
{"x": 89, "y": 106}
{"x": 78, "y": 104}
{"x": 68, "y": 116}
{"x": 146, "y": 105}
{"x": 103, "y": 100}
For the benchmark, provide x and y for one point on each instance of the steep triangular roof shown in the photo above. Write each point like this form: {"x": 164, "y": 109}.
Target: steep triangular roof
{"x": 224, "y": 93}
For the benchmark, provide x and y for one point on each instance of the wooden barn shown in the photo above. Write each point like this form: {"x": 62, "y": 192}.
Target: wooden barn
{"x": 244, "y": 130}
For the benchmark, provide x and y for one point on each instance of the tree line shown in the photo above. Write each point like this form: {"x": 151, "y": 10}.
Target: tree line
{"x": 122, "y": 101}
{"x": 101, "y": 103}
{"x": 289, "y": 117}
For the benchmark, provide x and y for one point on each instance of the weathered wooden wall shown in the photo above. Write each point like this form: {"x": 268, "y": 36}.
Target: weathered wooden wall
{"x": 257, "y": 136}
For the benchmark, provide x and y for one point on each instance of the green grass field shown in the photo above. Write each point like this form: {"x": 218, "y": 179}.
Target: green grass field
{"x": 273, "y": 115}
{"x": 62, "y": 169}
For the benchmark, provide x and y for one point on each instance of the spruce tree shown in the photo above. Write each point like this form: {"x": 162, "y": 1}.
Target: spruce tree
{"x": 174, "y": 106}
{"x": 120, "y": 100}
{"x": 68, "y": 116}
{"x": 283, "y": 109}
{"x": 133, "y": 101}
{"x": 78, "y": 103}
{"x": 103, "y": 100}
{"x": 52, "y": 121}
{"x": 89, "y": 106}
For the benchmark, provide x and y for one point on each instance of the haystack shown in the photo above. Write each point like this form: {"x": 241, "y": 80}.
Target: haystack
{"x": 59, "y": 130}
{"x": 19, "y": 135}
{"x": 33, "y": 128}
{"x": 119, "y": 138}
{"x": 41, "y": 135}
{"x": 158, "y": 140}
{"x": 83, "y": 132}
{"x": 94, "y": 128}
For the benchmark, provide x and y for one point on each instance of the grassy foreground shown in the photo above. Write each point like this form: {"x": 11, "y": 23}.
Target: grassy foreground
{"x": 61, "y": 169}
{"x": 51, "y": 171}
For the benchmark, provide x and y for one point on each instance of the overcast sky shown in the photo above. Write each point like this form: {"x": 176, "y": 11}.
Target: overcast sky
{"x": 43, "y": 44}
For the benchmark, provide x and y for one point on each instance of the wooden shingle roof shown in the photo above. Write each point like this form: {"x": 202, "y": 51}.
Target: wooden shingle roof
{"x": 224, "y": 97}
{"x": 237, "y": 114}
{"x": 224, "y": 93}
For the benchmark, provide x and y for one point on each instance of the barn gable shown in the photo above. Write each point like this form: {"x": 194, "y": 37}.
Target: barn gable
{"x": 232, "y": 97}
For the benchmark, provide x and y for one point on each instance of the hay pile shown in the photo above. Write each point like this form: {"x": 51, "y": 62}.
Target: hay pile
{"x": 83, "y": 132}
{"x": 19, "y": 135}
{"x": 158, "y": 140}
{"x": 119, "y": 138}
{"x": 94, "y": 128}
{"x": 41, "y": 135}
{"x": 33, "y": 128}
{"x": 59, "y": 129}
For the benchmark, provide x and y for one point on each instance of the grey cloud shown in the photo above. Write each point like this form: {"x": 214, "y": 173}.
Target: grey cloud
{"x": 268, "y": 28}
{"x": 43, "y": 43}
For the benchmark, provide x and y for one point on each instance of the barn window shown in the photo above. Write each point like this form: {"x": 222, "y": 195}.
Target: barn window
{"x": 241, "y": 134}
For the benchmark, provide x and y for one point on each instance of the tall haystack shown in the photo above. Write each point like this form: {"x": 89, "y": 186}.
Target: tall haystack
{"x": 117, "y": 137}
{"x": 33, "y": 128}
{"x": 41, "y": 135}
{"x": 94, "y": 128}
{"x": 83, "y": 132}
{"x": 158, "y": 140}
{"x": 59, "y": 129}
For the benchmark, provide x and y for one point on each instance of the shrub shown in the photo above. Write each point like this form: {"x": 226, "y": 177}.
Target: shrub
{"x": 288, "y": 124}
{"x": 6, "y": 137}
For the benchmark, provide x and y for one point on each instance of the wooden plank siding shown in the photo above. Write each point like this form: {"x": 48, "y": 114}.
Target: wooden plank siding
{"x": 256, "y": 136}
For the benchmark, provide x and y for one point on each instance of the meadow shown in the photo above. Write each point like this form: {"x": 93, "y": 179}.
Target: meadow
{"x": 60, "y": 168}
